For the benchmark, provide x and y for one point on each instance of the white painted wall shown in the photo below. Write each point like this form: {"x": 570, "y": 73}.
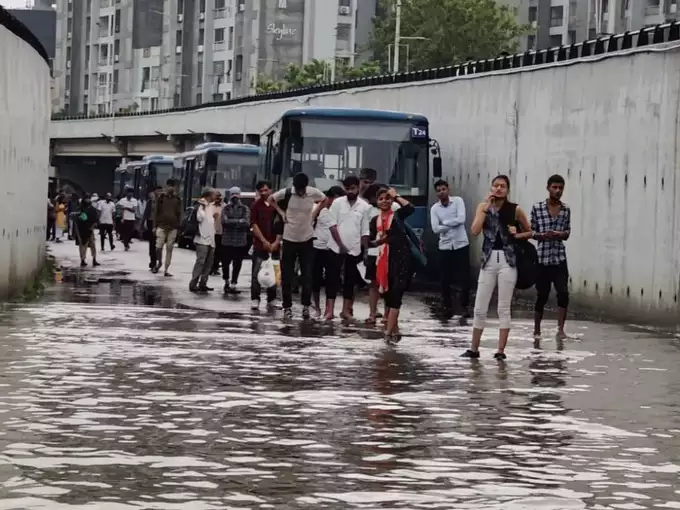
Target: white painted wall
{"x": 608, "y": 125}
{"x": 24, "y": 160}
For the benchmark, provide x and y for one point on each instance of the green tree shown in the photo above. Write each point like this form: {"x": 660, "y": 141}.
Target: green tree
{"x": 315, "y": 72}
{"x": 266, "y": 85}
{"x": 454, "y": 31}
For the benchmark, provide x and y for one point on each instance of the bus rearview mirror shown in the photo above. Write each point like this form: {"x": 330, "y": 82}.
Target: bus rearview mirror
{"x": 437, "y": 167}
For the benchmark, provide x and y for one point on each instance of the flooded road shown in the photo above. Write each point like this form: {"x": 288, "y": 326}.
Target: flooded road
{"x": 111, "y": 399}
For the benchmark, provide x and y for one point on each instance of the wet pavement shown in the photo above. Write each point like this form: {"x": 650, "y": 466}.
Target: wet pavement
{"x": 118, "y": 392}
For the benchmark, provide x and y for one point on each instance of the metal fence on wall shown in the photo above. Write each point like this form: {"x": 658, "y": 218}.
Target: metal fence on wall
{"x": 658, "y": 34}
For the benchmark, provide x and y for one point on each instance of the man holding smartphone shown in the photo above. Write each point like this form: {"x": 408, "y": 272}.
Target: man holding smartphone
{"x": 551, "y": 223}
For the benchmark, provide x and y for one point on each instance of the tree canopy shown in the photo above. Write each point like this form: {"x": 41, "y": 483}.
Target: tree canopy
{"x": 454, "y": 31}
{"x": 315, "y": 72}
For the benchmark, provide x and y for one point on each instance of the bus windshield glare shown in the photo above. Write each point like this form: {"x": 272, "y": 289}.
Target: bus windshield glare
{"x": 236, "y": 170}
{"x": 163, "y": 172}
{"x": 329, "y": 150}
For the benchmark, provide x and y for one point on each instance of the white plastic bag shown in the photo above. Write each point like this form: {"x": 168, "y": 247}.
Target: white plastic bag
{"x": 266, "y": 276}
{"x": 361, "y": 267}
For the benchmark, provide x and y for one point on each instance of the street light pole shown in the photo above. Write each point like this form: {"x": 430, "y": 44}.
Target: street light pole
{"x": 397, "y": 37}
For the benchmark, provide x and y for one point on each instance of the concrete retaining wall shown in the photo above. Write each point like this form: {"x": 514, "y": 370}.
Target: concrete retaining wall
{"x": 24, "y": 157}
{"x": 609, "y": 125}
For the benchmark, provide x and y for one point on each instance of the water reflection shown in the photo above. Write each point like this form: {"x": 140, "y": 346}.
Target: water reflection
{"x": 110, "y": 403}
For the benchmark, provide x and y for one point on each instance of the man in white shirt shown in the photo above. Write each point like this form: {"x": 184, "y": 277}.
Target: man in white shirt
{"x": 204, "y": 242}
{"x": 447, "y": 218}
{"x": 128, "y": 206}
{"x": 322, "y": 233}
{"x": 298, "y": 202}
{"x": 349, "y": 223}
{"x": 107, "y": 211}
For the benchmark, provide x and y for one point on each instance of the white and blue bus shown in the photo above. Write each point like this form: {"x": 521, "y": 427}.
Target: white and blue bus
{"x": 143, "y": 175}
{"x": 220, "y": 166}
{"x": 329, "y": 144}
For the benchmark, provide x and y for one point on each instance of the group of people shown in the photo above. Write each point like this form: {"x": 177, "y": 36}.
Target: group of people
{"x": 355, "y": 235}
{"x": 349, "y": 236}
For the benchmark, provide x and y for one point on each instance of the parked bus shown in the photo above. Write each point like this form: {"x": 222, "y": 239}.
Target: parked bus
{"x": 216, "y": 165}
{"x": 220, "y": 166}
{"x": 330, "y": 143}
{"x": 143, "y": 175}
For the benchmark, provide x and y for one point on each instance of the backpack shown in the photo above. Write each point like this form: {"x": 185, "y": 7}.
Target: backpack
{"x": 191, "y": 225}
{"x": 417, "y": 249}
{"x": 527, "y": 264}
{"x": 277, "y": 226}
{"x": 526, "y": 257}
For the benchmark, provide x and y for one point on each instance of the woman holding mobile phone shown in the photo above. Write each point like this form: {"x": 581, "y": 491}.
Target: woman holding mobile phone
{"x": 498, "y": 220}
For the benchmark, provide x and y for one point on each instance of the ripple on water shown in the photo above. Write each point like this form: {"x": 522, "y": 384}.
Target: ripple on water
{"x": 127, "y": 407}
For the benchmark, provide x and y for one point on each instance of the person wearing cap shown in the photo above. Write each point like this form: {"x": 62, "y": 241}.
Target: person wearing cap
{"x": 235, "y": 226}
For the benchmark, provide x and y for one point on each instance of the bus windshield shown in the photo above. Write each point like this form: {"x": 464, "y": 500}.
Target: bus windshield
{"x": 236, "y": 170}
{"x": 327, "y": 151}
{"x": 162, "y": 171}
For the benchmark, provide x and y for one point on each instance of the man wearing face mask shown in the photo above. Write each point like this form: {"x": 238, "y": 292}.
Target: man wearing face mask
{"x": 107, "y": 209}
{"x": 128, "y": 206}
{"x": 235, "y": 226}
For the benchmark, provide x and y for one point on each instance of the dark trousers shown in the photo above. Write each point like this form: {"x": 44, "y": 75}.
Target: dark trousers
{"x": 153, "y": 252}
{"x": 233, "y": 255}
{"x": 105, "y": 230}
{"x": 342, "y": 272}
{"x": 255, "y": 288}
{"x": 320, "y": 269}
{"x": 454, "y": 268}
{"x": 552, "y": 275}
{"x": 127, "y": 231}
{"x": 51, "y": 228}
{"x": 290, "y": 253}
{"x": 217, "y": 259}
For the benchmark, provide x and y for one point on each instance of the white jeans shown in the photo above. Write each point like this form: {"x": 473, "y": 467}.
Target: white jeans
{"x": 496, "y": 271}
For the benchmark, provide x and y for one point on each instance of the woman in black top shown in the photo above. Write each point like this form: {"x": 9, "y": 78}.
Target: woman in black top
{"x": 394, "y": 265}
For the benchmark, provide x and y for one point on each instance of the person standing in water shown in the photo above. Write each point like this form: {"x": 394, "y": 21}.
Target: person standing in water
{"x": 551, "y": 222}
{"x": 107, "y": 209}
{"x": 84, "y": 224}
{"x": 394, "y": 265}
{"x": 500, "y": 221}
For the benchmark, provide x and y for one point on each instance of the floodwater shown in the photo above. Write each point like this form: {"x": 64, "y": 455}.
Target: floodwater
{"x": 112, "y": 399}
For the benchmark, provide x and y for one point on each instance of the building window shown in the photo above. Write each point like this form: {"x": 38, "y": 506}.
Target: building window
{"x": 219, "y": 35}
{"x": 146, "y": 72}
{"x": 557, "y": 16}
{"x": 533, "y": 14}
{"x": 88, "y": 6}
{"x": 103, "y": 26}
{"x": 199, "y": 74}
{"x": 201, "y": 6}
{"x": 176, "y": 100}
{"x": 555, "y": 40}
{"x": 116, "y": 23}
{"x": 219, "y": 5}
{"x": 104, "y": 55}
{"x": 85, "y": 105}
{"x": 218, "y": 68}
{"x": 68, "y": 54}
{"x": 146, "y": 52}
{"x": 115, "y": 81}
{"x": 88, "y": 26}
{"x": 344, "y": 30}
{"x": 178, "y": 38}
{"x": 199, "y": 98}
{"x": 180, "y": 6}
{"x": 218, "y": 97}
{"x": 154, "y": 104}
{"x": 345, "y": 3}
{"x": 69, "y": 25}
{"x": 228, "y": 96}
{"x": 67, "y": 81}
{"x": 572, "y": 36}
{"x": 201, "y": 37}
{"x": 87, "y": 56}
{"x": 531, "y": 42}
{"x": 230, "y": 44}
{"x": 116, "y": 47}
{"x": 86, "y": 82}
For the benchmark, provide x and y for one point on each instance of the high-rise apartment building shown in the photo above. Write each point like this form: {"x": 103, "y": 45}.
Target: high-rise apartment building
{"x": 271, "y": 34}
{"x": 563, "y": 22}
{"x": 114, "y": 55}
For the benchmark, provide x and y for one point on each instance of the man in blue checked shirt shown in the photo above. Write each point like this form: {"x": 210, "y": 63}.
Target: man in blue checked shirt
{"x": 551, "y": 223}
